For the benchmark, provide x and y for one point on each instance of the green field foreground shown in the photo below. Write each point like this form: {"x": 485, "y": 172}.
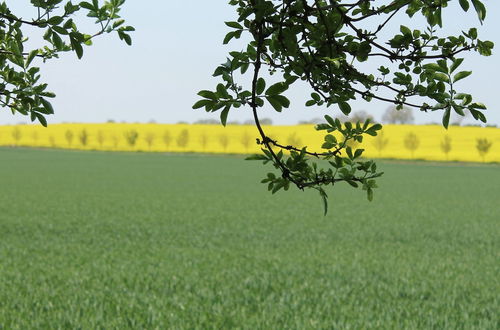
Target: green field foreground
{"x": 93, "y": 240}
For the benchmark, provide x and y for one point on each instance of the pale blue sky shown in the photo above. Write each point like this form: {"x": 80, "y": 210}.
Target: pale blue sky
{"x": 177, "y": 46}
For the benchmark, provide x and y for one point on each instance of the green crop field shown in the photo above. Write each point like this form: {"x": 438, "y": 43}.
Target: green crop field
{"x": 93, "y": 240}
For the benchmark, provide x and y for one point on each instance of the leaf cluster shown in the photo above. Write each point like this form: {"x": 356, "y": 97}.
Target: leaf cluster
{"x": 323, "y": 44}
{"x": 20, "y": 88}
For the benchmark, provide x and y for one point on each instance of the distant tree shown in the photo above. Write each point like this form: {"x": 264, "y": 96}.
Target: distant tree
{"x": 234, "y": 122}
{"x": 394, "y": 116}
{"x": 167, "y": 139}
{"x": 34, "y": 136}
{"x": 412, "y": 142}
{"x": 483, "y": 147}
{"x": 207, "y": 122}
{"x": 203, "y": 140}
{"x": 293, "y": 140}
{"x": 100, "y": 138}
{"x": 446, "y": 145}
{"x": 224, "y": 141}
{"x": 246, "y": 140}
{"x": 69, "y": 137}
{"x": 83, "y": 137}
{"x": 183, "y": 138}
{"x": 17, "y": 135}
{"x": 380, "y": 142}
{"x": 116, "y": 140}
{"x": 314, "y": 121}
{"x": 150, "y": 139}
{"x": 131, "y": 137}
{"x": 266, "y": 121}
{"x": 360, "y": 116}
{"x": 52, "y": 141}
{"x": 110, "y": 121}
{"x": 263, "y": 121}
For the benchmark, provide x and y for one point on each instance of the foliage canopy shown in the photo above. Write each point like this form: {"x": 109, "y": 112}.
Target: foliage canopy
{"x": 324, "y": 43}
{"x": 20, "y": 88}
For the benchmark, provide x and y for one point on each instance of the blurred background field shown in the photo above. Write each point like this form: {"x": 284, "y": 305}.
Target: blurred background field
{"x": 428, "y": 142}
{"x": 119, "y": 240}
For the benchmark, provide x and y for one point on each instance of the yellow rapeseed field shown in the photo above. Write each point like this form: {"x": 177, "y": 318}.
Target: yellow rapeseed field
{"x": 429, "y": 142}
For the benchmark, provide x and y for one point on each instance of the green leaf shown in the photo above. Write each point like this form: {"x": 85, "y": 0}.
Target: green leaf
{"x": 330, "y": 121}
{"x": 345, "y": 107}
{"x": 223, "y": 115}
{"x": 458, "y": 109}
{"x": 473, "y": 33}
{"x": 352, "y": 183}
{"x": 327, "y": 145}
{"x": 461, "y": 75}
{"x": 349, "y": 153}
{"x": 441, "y": 77}
{"x": 478, "y": 105}
{"x": 369, "y": 192}
{"x": 30, "y": 58}
{"x": 202, "y": 103}
{"x": 322, "y": 127}
{"x": 60, "y": 30}
{"x": 55, "y": 20}
{"x": 276, "y": 89}
{"x": 117, "y": 23}
{"x": 405, "y": 30}
{"x": 434, "y": 67}
{"x": 58, "y": 42}
{"x": 330, "y": 139}
{"x": 464, "y": 4}
{"x": 126, "y": 37}
{"x": 372, "y": 131}
{"x": 86, "y": 5}
{"x": 208, "y": 95}
{"x": 77, "y": 47}
{"x": 261, "y": 86}
{"x": 234, "y": 25}
{"x": 446, "y": 118}
{"x": 358, "y": 153}
{"x": 280, "y": 184}
{"x": 257, "y": 157}
{"x": 480, "y": 9}
{"x": 228, "y": 37}
{"x": 48, "y": 107}
{"x": 456, "y": 64}
{"x": 276, "y": 104}
{"x": 282, "y": 100}
{"x": 324, "y": 197}
{"x": 222, "y": 91}
{"x": 41, "y": 119}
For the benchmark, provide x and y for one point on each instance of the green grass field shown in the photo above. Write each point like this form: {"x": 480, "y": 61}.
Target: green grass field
{"x": 94, "y": 240}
